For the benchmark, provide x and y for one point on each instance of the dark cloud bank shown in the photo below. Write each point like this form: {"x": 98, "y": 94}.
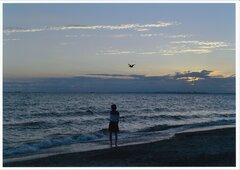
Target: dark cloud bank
{"x": 126, "y": 83}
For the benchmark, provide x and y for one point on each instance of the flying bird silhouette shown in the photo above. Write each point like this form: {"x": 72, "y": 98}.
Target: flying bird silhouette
{"x": 131, "y": 65}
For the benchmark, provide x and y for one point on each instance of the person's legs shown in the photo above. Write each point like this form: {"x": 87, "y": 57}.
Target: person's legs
{"x": 110, "y": 138}
{"x": 116, "y": 136}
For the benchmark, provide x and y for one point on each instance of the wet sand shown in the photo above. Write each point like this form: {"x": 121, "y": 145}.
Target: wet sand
{"x": 203, "y": 148}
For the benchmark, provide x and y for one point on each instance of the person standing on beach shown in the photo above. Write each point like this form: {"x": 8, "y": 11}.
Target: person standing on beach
{"x": 113, "y": 124}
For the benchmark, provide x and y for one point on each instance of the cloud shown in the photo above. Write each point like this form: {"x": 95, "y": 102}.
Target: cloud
{"x": 198, "y": 47}
{"x": 201, "y": 74}
{"x": 196, "y": 81}
{"x": 114, "y": 76}
{"x": 220, "y": 74}
{"x": 203, "y": 44}
{"x": 195, "y": 76}
{"x": 177, "y": 47}
{"x": 227, "y": 49}
{"x": 167, "y": 35}
{"x": 122, "y": 35}
{"x": 131, "y": 35}
{"x": 142, "y": 29}
{"x": 163, "y": 52}
{"x": 195, "y": 51}
{"x": 179, "y": 36}
{"x": 152, "y": 35}
{"x": 170, "y": 52}
{"x": 136, "y": 27}
{"x": 11, "y": 39}
{"x": 114, "y": 52}
{"x": 22, "y": 30}
{"x": 149, "y": 52}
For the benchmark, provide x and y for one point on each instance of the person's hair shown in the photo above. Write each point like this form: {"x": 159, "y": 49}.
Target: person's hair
{"x": 113, "y": 107}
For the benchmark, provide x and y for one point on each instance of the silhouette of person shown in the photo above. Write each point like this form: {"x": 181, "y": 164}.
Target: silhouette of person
{"x": 113, "y": 124}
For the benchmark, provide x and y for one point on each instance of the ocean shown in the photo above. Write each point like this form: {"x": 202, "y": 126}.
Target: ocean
{"x": 41, "y": 124}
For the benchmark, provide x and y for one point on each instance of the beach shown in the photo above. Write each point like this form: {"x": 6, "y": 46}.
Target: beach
{"x": 208, "y": 148}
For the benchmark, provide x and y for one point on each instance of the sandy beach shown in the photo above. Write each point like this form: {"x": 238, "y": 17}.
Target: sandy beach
{"x": 202, "y": 148}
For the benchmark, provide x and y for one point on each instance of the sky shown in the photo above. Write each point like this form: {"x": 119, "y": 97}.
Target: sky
{"x": 87, "y": 47}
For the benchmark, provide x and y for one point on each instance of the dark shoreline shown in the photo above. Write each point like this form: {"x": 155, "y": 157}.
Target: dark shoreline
{"x": 210, "y": 148}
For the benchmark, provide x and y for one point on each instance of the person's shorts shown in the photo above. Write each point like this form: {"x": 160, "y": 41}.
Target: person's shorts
{"x": 113, "y": 127}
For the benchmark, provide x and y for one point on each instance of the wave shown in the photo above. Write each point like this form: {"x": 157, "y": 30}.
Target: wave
{"x": 159, "y": 128}
{"x": 65, "y": 114}
{"x": 183, "y": 117}
{"x": 48, "y": 123}
{"x": 103, "y": 131}
{"x": 213, "y": 123}
{"x": 58, "y": 139}
{"x": 55, "y": 140}
{"x": 230, "y": 115}
{"x": 162, "y": 109}
{"x": 50, "y": 142}
{"x": 189, "y": 126}
{"x": 169, "y": 117}
{"x": 29, "y": 125}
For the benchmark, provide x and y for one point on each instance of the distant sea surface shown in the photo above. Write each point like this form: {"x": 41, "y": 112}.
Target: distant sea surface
{"x": 37, "y": 124}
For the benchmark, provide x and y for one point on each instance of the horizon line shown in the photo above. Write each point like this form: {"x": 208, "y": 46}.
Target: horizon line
{"x": 92, "y": 92}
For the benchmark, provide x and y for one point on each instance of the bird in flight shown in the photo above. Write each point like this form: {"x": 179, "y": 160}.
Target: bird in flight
{"x": 131, "y": 65}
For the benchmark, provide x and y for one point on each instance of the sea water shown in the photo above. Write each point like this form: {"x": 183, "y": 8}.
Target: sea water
{"x": 53, "y": 123}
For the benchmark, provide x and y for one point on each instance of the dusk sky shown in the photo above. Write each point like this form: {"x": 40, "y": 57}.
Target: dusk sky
{"x": 176, "y": 47}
